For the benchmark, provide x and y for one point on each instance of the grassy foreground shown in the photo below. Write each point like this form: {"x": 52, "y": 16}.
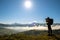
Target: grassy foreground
{"x": 31, "y": 36}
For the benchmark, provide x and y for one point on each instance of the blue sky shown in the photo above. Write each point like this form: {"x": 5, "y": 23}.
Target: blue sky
{"x": 12, "y": 11}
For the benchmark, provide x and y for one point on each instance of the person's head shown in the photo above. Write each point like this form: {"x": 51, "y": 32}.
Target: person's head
{"x": 48, "y": 18}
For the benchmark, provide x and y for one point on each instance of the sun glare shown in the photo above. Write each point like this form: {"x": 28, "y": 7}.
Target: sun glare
{"x": 27, "y": 4}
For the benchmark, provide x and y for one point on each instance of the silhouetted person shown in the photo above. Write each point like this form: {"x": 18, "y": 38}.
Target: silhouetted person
{"x": 49, "y": 22}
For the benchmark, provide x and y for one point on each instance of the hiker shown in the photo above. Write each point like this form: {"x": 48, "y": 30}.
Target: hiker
{"x": 49, "y": 22}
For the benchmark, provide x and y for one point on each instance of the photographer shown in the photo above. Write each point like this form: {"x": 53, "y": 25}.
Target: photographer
{"x": 49, "y": 22}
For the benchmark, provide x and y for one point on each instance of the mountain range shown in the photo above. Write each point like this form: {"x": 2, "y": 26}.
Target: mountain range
{"x": 24, "y": 25}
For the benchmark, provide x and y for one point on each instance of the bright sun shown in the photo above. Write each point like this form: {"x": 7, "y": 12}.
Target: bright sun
{"x": 27, "y": 4}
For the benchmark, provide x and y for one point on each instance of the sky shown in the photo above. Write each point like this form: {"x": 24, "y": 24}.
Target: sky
{"x": 14, "y": 11}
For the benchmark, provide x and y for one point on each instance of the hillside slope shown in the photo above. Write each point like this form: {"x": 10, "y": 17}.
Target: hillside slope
{"x": 32, "y": 35}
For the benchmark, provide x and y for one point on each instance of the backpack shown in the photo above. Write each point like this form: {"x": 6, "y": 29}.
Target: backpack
{"x": 51, "y": 21}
